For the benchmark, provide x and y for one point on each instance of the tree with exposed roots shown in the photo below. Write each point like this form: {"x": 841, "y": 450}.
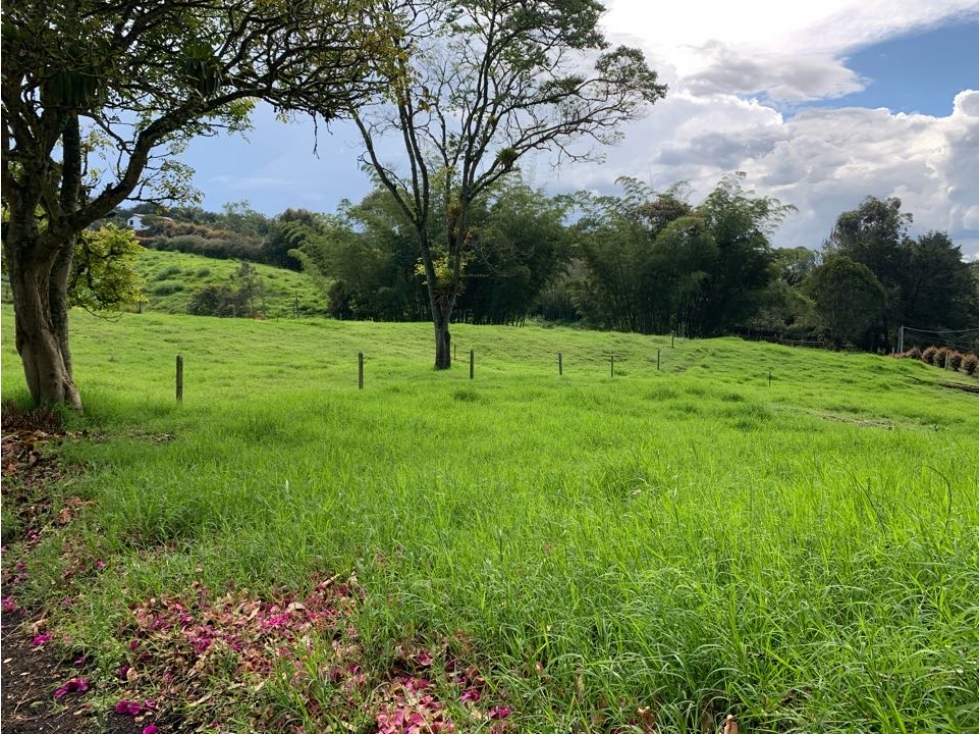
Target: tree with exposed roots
{"x": 482, "y": 84}
{"x": 98, "y": 98}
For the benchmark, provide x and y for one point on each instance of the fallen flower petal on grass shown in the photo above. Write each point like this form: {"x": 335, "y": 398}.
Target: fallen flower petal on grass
{"x": 470, "y": 694}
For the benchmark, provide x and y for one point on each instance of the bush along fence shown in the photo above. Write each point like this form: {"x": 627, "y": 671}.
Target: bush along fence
{"x": 945, "y": 358}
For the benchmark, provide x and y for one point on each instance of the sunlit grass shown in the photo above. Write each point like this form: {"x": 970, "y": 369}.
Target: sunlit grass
{"x": 791, "y": 536}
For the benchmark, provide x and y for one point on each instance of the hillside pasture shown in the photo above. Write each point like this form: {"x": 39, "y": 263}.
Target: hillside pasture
{"x": 172, "y": 279}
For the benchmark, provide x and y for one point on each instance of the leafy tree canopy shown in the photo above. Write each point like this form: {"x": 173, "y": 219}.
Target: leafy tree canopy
{"x": 98, "y": 98}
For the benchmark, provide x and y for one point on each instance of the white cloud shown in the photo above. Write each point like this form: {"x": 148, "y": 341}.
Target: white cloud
{"x": 738, "y": 70}
{"x": 795, "y": 78}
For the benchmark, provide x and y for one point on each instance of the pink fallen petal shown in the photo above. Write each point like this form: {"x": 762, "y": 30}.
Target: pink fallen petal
{"x": 150, "y": 729}
{"x": 470, "y": 694}
{"x": 40, "y": 640}
{"x": 499, "y": 712}
{"x": 129, "y": 708}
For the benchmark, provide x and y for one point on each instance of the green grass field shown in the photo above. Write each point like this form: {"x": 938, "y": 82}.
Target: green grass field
{"x": 787, "y": 536}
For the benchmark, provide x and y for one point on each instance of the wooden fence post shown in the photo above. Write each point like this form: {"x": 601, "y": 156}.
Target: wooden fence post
{"x": 657, "y": 360}
{"x": 180, "y": 379}
{"x": 560, "y": 364}
{"x": 611, "y": 365}
{"x": 472, "y": 363}
{"x": 360, "y": 370}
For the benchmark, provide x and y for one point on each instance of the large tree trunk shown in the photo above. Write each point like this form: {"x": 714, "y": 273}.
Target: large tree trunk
{"x": 38, "y": 285}
{"x": 443, "y": 341}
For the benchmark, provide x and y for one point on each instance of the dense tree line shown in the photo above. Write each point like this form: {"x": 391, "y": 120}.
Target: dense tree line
{"x": 367, "y": 258}
{"x": 925, "y": 280}
{"x": 640, "y": 261}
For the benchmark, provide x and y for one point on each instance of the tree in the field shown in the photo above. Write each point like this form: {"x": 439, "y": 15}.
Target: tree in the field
{"x": 740, "y": 224}
{"x": 364, "y": 258}
{"x": 287, "y": 232}
{"x": 939, "y": 291}
{"x": 97, "y": 99}
{"x": 875, "y": 234}
{"x": 848, "y": 297}
{"x": 628, "y": 282}
{"x": 483, "y": 84}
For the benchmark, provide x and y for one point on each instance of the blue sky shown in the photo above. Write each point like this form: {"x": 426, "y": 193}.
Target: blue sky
{"x": 918, "y": 72}
{"x": 819, "y": 106}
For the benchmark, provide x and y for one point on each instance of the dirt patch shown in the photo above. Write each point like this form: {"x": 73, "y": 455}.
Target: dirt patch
{"x": 43, "y": 690}
{"x": 38, "y": 693}
{"x": 861, "y": 422}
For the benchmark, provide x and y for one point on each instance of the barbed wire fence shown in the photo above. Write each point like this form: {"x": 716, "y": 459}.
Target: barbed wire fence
{"x": 962, "y": 340}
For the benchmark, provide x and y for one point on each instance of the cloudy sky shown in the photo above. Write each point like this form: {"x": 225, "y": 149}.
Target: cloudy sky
{"x": 820, "y": 104}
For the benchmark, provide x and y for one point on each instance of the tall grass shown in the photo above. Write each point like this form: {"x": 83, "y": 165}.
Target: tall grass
{"x": 804, "y": 554}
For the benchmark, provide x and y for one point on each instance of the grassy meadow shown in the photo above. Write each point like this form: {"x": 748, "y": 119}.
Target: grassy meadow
{"x": 787, "y": 536}
{"x": 172, "y": 279}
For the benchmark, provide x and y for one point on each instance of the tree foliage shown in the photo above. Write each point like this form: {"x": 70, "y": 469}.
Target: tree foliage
{"x": 847, "y": 295}
{"x": 103, "y": 275}
{"x": 98, "y": 97}
{"x": 926, "y": 280}
{"x": 655, "y": 263}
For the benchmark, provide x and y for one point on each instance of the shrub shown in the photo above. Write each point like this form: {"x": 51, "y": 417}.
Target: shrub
{"x": 940, "y": 356}
{"x": 167, "y": 288}
{"x": 970, "y": 364}
{"x": 955, "y": 360}
{"x": 203, "y": 272}
{"x": 928, "y": 356}
{"x": 214, "y": 300}
{"x": 167, "y": 273}
{"x": 913, "y": 353}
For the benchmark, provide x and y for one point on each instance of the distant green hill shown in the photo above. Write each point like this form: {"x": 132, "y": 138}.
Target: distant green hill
{"x": 172, "y": 279}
